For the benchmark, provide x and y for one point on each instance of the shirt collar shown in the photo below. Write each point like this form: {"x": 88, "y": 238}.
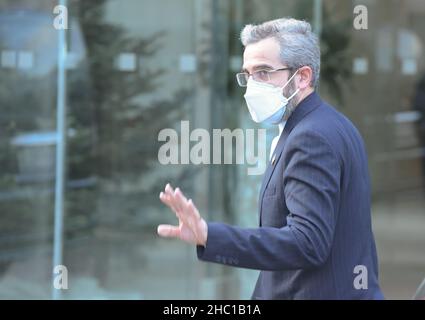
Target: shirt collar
{"x": 281, "y": 127}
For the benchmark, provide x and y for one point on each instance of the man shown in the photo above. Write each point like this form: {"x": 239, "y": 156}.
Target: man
{"x": 315, "y": 238}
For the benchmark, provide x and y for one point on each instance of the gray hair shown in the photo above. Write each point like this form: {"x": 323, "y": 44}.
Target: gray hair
{"x": 299, "y": 46}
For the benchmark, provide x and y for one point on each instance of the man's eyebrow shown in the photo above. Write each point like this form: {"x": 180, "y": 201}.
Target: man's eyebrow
{"x": 259, "y": 67}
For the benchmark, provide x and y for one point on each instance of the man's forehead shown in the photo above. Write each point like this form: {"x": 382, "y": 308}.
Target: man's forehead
{"x": 263, "y": 53}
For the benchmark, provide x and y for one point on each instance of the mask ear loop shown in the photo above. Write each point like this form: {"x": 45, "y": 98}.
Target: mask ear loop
{"x": 292, "y": 95}
{"x": 296, "y": 91}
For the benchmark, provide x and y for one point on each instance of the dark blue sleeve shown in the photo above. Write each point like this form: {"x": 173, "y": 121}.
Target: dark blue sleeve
{"x": 311, "y": 189}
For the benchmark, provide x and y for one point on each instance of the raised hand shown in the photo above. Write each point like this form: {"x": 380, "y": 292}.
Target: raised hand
{"x": 192, "y": 228}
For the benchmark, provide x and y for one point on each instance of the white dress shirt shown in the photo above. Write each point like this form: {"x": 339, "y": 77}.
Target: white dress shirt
{"x": 276, "y": 139}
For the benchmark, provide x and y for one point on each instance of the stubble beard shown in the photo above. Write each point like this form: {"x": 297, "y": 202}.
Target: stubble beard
{"x": 292, "y": 104}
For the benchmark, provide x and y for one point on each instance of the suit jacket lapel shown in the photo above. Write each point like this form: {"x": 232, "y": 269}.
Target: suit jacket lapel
{"x": 271, "y": 165}
{"x": 310, "y": 103}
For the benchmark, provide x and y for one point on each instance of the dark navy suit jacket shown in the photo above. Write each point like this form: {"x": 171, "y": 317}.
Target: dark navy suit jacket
{"x": 314, "y": 215}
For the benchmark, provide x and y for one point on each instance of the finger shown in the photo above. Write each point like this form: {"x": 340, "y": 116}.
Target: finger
{"x": 192, "y": 214}
{"x": 180, "y": 200}
{"x": 193, "y": 218}
{"x": 171, "y": 195}
{"x": 165, "y": 198}
{"x": 168, "y": 231}
{"x": 168, "y": 189}
{"x": 192, "y": 209}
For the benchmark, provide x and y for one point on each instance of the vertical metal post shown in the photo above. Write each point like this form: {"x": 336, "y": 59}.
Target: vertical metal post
{"x": 60, "y": 156}
{"x": 317, "y": 17}
{"x": 317, "y": 21}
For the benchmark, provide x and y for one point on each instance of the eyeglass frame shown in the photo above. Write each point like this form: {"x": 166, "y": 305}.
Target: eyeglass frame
{"x": 264, "y": 70}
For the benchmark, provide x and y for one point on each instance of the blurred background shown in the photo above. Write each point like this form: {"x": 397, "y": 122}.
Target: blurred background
{"x": 134, "y": 67}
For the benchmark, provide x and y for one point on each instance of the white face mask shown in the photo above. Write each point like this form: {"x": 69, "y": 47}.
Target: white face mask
{"x": 266, "y": 103}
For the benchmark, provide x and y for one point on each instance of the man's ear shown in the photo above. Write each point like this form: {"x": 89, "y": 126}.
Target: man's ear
{"x": 305, "y": 77}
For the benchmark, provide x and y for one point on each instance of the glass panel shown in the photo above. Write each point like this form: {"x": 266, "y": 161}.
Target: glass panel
{"x": 130, "y": 78}
{"x": 28, "y": 49}
{"x": 375, "y": 77}
{"x": 388, "y": 61}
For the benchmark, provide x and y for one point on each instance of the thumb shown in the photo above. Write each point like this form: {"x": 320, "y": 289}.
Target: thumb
{"x": 168, "y": 231}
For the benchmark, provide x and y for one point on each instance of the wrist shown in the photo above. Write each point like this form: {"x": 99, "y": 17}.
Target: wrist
{"x": 204, "y": 233}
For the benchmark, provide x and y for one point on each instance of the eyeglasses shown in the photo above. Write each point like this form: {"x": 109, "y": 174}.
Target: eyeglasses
{"x": 260, "y": 76}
